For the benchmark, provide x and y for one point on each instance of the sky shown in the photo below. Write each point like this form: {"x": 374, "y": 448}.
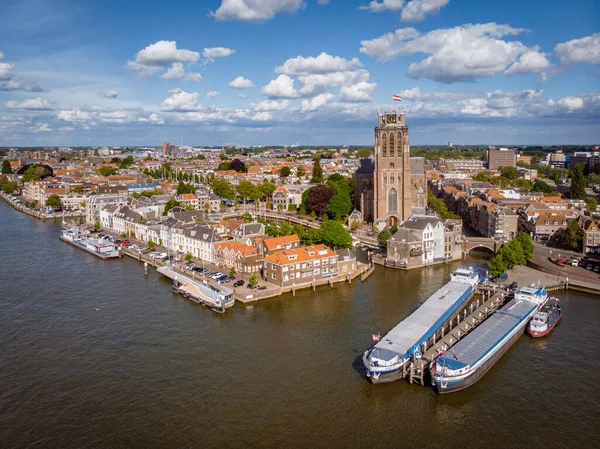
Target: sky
{"x": 306, "y": 72}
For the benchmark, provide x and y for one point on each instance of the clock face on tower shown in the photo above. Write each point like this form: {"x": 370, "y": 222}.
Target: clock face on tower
{"x": 391, "y": 118}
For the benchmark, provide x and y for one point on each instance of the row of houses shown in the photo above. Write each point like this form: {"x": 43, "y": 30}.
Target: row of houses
{"x": 229, "y": 243}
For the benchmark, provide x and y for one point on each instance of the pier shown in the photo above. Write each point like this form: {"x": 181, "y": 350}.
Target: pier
{"x": 455, "y": 330}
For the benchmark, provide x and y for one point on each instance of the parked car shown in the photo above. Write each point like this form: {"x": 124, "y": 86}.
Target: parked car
{"x": 261, "y": 287}
{"x": 589, "y": 266}
{"x": 512, "y": 287}
{"x": 597, "y": 269}
{"x": 249, "y": 286}
{"x": 238, "y": 283}
{"x": 126, "y": 243}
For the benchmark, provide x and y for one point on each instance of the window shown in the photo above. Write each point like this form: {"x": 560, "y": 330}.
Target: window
{"x": 297, "y": 266}
{"x": 324, "y": 270}
{"x": 316, "y": 263}
{"x": 304, "y": 265}
{"x": 332, "y": 260}
{"x": 285, "y": 277}
{"x": 317, "y": 271}
{"x": 392, "y": 200}
{"x": 392, "y": 146}
{"x": 274, "y": 275}
{"x": 345, "y": 268}
{"x": 292, "y": 275}
{"x": 284, "y": 269}
{"x": 384, "y": 145}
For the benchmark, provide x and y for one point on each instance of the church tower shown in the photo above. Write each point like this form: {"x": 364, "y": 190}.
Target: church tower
{"x": 392, "y": 179}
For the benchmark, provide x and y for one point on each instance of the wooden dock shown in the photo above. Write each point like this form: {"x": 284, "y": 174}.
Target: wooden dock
{"x": 454, "y": 330}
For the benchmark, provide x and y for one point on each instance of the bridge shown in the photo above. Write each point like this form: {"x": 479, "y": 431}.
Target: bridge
{"x": 471, "y": 243}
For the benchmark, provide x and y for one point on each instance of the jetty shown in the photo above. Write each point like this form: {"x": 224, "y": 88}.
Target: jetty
{"x": 208, "y": 293}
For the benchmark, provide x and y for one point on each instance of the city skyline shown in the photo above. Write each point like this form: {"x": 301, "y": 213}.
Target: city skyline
{"x": 312, "y": 72}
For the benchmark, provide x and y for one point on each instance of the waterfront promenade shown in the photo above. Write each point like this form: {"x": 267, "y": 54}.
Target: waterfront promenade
{"x": 39, "y": 214}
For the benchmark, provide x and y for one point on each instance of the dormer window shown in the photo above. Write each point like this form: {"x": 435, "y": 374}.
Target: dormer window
{"x": 292, "y": 256}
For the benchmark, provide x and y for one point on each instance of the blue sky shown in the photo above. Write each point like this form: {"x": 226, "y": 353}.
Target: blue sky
{"x": 281, "y": 72}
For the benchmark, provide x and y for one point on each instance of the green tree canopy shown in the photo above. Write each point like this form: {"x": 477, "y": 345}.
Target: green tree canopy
{"x": 246, "y": 190}
{"x": 541, "y": 186}
{"x": 222, "y": 188}
{"x": 510, "y": 173}
{"x": 6, "y": 169}
{"x": 439, "y": 206}
{"x": 335, "y": 235}
{"x": 183, "y": 188}
{"x": 317, "y": 173}
{"x": 384, "y": 235}
{"x": 284, "y": 172}
{"x": 340, "y": 206}
{"x": 578, "y": 183}
{"x": 592, "y": 204}
{"x": 526, "y": 244}
{"x": 497, "y": 266}
{"x": 572, "y": 237}
{"x": 107, "y": 170}
{"x": 483, "y": 176}
{"x": 126, "y": 162}
{"x": 170, "y": 205}
{"x": 54, "y": 201}
{"x": 253, "y": 281}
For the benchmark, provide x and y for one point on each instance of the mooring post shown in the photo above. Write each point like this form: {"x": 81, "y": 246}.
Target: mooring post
{"x": 146, "y": 268}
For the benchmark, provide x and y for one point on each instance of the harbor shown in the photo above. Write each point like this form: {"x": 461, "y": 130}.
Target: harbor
{"x": 99, "y": 247}
{"x": 66, "y": 349}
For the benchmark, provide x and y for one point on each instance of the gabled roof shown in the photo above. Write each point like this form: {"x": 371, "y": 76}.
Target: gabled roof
{"x": 421, "y": 222}
{"x": 302, "y": 254}
{"x": 280, "y": 242}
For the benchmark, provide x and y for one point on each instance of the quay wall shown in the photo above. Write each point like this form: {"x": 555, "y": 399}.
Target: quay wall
{"x": 37, "y": 214}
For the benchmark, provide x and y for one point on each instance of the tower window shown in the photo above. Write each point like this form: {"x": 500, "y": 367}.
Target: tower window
{"x": 384, "y": 145}
{"x": 392, "y": 146}
{"x": 392, "y": 200}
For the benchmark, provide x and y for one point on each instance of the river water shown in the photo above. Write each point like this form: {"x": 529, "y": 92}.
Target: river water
{"x": 94, "y": 354}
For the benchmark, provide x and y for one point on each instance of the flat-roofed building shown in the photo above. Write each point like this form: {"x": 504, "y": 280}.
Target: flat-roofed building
{"x": 501, "y": 157}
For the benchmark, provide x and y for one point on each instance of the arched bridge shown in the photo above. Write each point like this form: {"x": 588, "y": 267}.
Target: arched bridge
{"x": 471, "y": 243}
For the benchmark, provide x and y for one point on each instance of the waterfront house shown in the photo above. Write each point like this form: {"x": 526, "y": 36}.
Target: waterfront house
{"x": 300, "y": 265}
{"x": 591, "y": 235}
{"x": 247, "y": 231}
{"x": 243, "y": 258}
{"x": 270, "y": 245}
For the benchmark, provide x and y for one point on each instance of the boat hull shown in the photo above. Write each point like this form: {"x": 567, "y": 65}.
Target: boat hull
{"x": 538, "y": 334}
{"x": 451, "y": 385}
{"x": 104, "y": 256}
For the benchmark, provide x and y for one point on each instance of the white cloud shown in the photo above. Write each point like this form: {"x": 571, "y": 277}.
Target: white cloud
{"x": 262, "y": 117}
{"x": 109, "y": 94}
{"x": 571, "y": 103}
{"x": 255, "y": 10}
{"x": 529, "y": 62}
{"x": 315, "y": 103}
{"x": 324, "y": 63}
{"x": 241, "y": 83}
{"x": 323, "y": 2}
{"x": 586, "y": 49}
{"x": 153, "y": 118}
{"x": 73, "y": 115}
{"x": 415, "y": 94}
{"x": 6, "y": 71}
{"x": 66, "y": 128}
{"x": 33, "y": 104}
{"x": 212, "y": 94}
{"x": 360, "y": 92}
{"x": 210, "y": 54}
{"x": 12, "y": 85}
{"x": 242, "y": 96}
{"x": 165, "y": 53}
{"x": 462, "y": 53}
{"x": 44, "y": 128}
{"x": 160, "y": 55}
{"x": 274, "y": 105}
{"x": 416, "y": 10}
{"x": 385, "y": 5}
{"x": 180, "y": 101}
{"x": 282, "y": 87}
{"x": 194, "y": 77}
{"x": 175, "y": 72}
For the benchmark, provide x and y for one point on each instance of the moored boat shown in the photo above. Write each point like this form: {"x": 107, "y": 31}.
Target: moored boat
{"x": 384, "y": 361}
{"x": 99, "y": 247}
{"x": 467, "y": 361}
{"x": 544, "y": 321}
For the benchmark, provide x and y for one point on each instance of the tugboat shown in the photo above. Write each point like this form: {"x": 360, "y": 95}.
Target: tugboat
{"x": 545, "y": 320}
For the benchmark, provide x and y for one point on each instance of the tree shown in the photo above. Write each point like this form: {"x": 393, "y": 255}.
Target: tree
{"x": 246, "y": 190}
{"x": 170, "y": 205}
{"x": 510, "y": 173}
{"x": 54, "y": 201}
{"x": 310, "y": 236}
{"x": 151, "y": 244}
{"x": 183, "y": 188}
{"x": 572, "y": 237}
{"x": 77, "y": 189}
{"x": 483, "y": 176}
{"x": 317, "y": 173}
{"x": 526, "y": 244}
{"x": 439, "y": 206}
{"x": 284, "y": 172}
{"x": 36, "y": 172}
{"x": 188, "y": 257}
{"x": 267, "y": 188}
{"x": 232, "y": 273}
{"x": 364, "y": 153}
{"x": 578, "y": 183}
{"x": 10, "y": 187}
{"x": 6, "y": 170}
{"x": 238, "y": 166}
{"x": 126, "y": 162}
{"x": 318, "y": 198}
{"x": 223, "y": 157}
{"x": 107, "y": 170}
{"x": 519, "y": 254}
{"x": 223, "y": 188}
{"x": 394, "y": 229}
{"x": 541, "y": 186}
{"x": 285, "y": 229}
{"x": 253, "y": 281}
{"x": 340, "y": 206}
{"x": 384, "y": 236}
{"x": 96, "y": 226}
{"x": 592, "y": 204}
{"x": 335, "y": 235}
{"x": 497, "y": 266}
{"x": 300, "y": 172}
{"x": 524, "y": 184}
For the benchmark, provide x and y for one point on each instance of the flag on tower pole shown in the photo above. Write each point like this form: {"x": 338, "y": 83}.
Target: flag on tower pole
{"x": 396, "y": 98}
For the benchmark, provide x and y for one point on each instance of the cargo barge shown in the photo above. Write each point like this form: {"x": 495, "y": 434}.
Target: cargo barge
{"x": 101, "y": 248}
